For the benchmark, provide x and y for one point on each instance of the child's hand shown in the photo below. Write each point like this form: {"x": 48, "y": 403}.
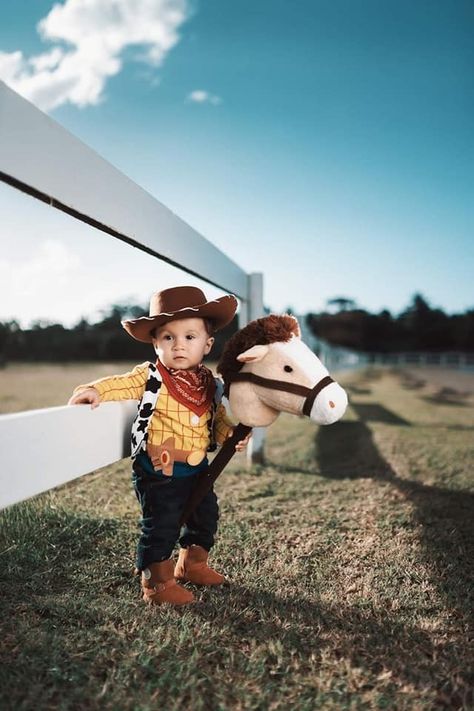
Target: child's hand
{"x": 240, "y": 446}
{"x": 86, "y": 396}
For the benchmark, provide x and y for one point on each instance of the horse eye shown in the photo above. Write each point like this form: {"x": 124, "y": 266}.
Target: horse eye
{"x": 288, "y": 369}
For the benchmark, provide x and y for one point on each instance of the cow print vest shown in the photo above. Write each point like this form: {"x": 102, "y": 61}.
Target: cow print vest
{"x": 146, "y": 408}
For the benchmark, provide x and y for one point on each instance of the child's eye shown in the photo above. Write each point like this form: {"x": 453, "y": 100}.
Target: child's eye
{"x": 190, "y": 337}
{"x": 168, "y": 337}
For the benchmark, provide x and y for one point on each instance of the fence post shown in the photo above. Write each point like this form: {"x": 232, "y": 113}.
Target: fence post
{"x": 254, "y": 309}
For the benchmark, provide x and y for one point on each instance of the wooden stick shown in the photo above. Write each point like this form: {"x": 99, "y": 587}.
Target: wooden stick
{"x": 206, "y": 478}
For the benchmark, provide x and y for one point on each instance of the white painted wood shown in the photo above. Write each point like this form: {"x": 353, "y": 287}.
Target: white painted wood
{"x": 243, "y": 314}
{"x": 42, "y": 449}
{"x": 255, "y": 295}
{"x": 42, "y": 155}
{"x": 255, "y": 449}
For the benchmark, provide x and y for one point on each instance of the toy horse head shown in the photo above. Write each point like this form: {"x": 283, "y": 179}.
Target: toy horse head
{"x": 267, "y": 369}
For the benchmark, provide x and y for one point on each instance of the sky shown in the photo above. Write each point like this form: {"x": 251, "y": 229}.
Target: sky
{"x": 326, "y": 143}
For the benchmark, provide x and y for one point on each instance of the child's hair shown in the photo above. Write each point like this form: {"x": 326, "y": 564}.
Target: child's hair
{"x": 209, "y": 324}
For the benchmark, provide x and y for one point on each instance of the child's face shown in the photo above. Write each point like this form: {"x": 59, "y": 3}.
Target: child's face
{"x": 182, "y": 344}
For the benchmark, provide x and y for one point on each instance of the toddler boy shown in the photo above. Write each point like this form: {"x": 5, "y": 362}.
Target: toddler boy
{"x": 180, "y": 418}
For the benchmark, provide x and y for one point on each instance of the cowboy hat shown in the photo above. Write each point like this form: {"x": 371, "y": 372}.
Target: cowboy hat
{"x": 181, "y": 302}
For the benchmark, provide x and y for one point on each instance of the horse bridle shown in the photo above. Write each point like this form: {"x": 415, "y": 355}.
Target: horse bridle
{"x": 310, "y": 394}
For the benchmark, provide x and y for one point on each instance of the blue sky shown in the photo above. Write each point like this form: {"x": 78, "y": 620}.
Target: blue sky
{"x": 327, "y": 144}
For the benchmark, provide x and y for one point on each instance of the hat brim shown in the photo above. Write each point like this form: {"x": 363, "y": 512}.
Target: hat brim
{"x": 220, "y": 311}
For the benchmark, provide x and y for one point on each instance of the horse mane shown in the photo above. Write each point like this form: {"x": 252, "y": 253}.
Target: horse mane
{"x": 269, "y": 329}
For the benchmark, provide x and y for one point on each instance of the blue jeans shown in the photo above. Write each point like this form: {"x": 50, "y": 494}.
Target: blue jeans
{"x": 162, "y": 501}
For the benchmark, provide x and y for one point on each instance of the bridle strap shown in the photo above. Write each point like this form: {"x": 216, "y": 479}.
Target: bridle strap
{"x": 270, "y": 383}
{"x": 308, "y": 404}
{"x": 310, "y": 394}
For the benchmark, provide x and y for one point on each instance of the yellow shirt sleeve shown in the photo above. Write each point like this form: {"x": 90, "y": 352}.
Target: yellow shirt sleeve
{"x": 128, "y": 386}
{"x": 223, "y": 426}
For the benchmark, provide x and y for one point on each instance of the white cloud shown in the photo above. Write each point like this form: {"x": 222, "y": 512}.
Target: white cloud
{"x": 51, "y": 261}
{"x": 90, "y": 37}
{"x": 199, "y": 96}
{"x": 37, "y": 281}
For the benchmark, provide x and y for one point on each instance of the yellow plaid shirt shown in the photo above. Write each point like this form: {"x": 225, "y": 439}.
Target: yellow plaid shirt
{"x": 170, "y": 418}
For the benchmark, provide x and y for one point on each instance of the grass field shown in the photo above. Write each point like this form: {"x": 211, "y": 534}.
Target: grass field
{"x": 350, "y": 555}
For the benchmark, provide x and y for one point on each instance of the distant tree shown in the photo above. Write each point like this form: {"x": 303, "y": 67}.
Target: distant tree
{"x": 9, "y": 332}
{"x": 462, "y": 326}
{"x": 118, "y": 312}
{"x": 345, "y": 328}
{"x": 427, "y": 328}
{"x": 342, "y": 303}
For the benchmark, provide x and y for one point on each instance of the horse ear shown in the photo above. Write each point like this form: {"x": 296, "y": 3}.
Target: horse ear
{"x": 297, "y": 326}
{"x": 253, "y": 355}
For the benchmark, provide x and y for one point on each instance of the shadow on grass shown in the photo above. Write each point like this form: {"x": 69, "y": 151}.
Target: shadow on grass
{"x": 342, "y": 447}
{"x": 372, "y": 412}
{"x": 376, "y": 642}
{"x": 410, "y": 382}
{"x": 59, "y": 580}
{"x": 347, "y": 450}
{"x": 357, "y": 390}
{"x": 454, "y": 428}
{"x": 43, "y": 546}
{"x": 447, "y": 396}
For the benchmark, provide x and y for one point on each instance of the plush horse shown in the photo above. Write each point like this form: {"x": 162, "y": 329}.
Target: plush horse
{"x": 267, "y": 369}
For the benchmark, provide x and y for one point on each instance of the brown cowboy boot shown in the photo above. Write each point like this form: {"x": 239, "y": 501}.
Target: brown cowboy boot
{"x": 159, "y": 585}
{"x": 192, "y": 566}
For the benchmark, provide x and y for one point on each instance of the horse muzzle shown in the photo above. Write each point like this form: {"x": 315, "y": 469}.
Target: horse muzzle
{"x": 328, "y": 405}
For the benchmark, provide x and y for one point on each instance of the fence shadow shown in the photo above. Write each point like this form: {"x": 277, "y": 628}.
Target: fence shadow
{"x": 408, "y": 381}
{"x": 447, "y": 396}
{"x": 446, "y": 515}
{"x": 357, "y": 390}
{"x": 373, "y": 412}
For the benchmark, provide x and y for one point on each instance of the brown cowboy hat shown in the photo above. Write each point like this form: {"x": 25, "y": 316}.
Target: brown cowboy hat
{"x": 181, "y": 302}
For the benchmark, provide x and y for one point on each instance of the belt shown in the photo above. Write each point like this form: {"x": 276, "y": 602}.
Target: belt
{"x": 164, "y": 455}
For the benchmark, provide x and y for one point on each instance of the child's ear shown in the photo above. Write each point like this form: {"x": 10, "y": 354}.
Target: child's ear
{"x": 209, "y": 344}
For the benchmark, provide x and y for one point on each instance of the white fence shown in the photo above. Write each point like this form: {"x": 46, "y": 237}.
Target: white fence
{"x": 44, "y": 448}
{"x": 461, "y": 361}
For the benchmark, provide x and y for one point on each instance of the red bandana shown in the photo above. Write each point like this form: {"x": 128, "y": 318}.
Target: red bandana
{"x": 193, "y": 388}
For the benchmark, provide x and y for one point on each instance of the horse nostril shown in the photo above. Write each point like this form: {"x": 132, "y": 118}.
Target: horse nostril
{"x": 332, "y": 404}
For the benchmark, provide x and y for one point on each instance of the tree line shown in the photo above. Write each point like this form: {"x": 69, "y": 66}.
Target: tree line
{"x": 105, "y": 340}
{"x": 418, "y": 328}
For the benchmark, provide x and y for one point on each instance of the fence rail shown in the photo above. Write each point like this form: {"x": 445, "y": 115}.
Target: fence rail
{"x": 42, "y": 449}
{"x": 41, "y": 158}
{"x": 464, "y": 361}
{"x": 45, "y": 448}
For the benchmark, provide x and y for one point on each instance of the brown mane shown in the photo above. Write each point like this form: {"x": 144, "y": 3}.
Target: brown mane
{"x": 262, "y": 331}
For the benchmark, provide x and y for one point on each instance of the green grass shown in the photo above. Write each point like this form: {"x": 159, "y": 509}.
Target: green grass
{"x": 350, "y": 557}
